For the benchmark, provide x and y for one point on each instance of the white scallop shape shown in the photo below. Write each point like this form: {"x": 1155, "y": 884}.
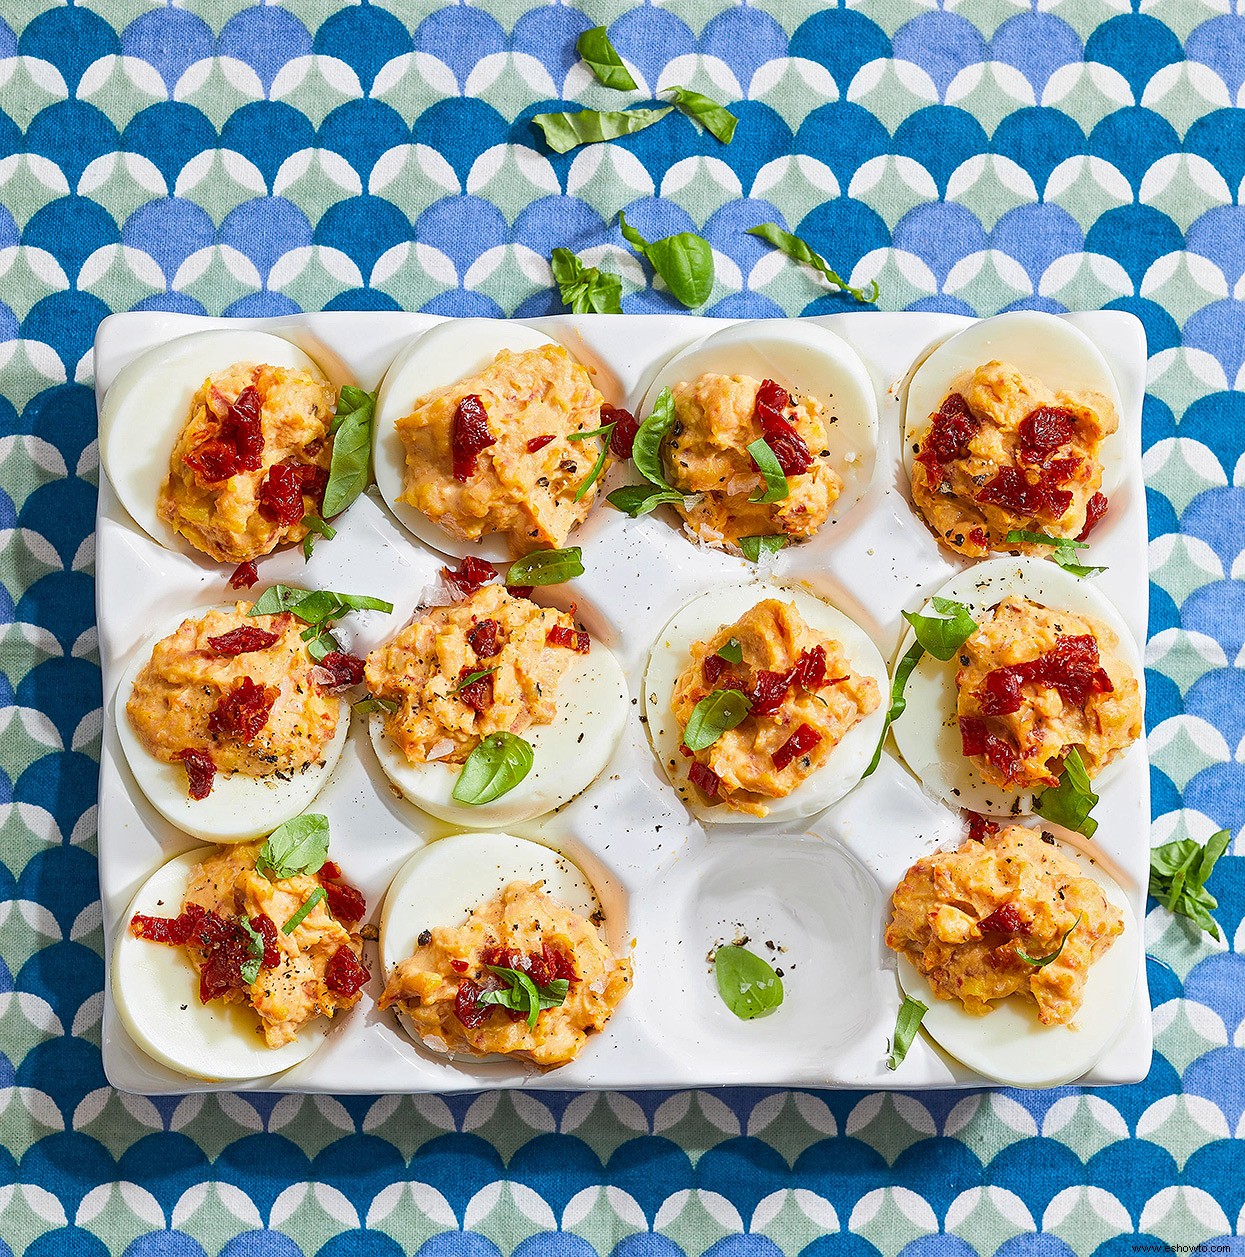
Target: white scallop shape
{"x": 443, "y": 355}
{"x": 148, "y": 404}
{"x": 928, "y": 735}
{"x": 698, "y": 620}
{"x": 240, "y": 808}
{"x": 1010, "y": 1045}
{"x": 807, "y": 360}
{"x": 1037, "y": 344}
{"x": 568, "y": 754}
{"x": 156, "y": 991}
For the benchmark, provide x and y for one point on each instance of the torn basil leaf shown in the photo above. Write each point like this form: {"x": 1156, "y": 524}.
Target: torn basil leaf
{"x": 799, "y": 251}
{"x": 546, "y": 567}
{"x": 301, "y": 914}
{"x": 646, "y": 447}
{"x": 1178, "y": 874}
{"x": 753, "y": 547}
{"x": 911, "y": 1011}
{"x": 599, "y": 465}
{"x": 713, "y": 716}
{"x": 565, "y": 131}
{"x": 715, "y": 118}
{"x": 472, "y": 677}
{"x": 903, "y": 670}
{"x": 365, "y": 706}
{"x": 300, "y": 845}
{"x": 522, "y": 995}
{"x": 316, "y": 527}
{"x": 601, "y": 57}
{"x": 494, "y": 768}
{"x": 248, "y": 971}
{"x": 352, "y": 449}
{"x": 683, "y": 262}
{"x": 585, "y": 289}
{"x": 776, "y": 487}
{"x": 732, "y": 651}
{"x": 1064, "y": 550}
{"x": 1040, "y": 962}
{"x": 944, "y": 634}
{"x": 635, "y": 500}
{"x": 748, "y": 985}
{"x": 1070, "y": 802}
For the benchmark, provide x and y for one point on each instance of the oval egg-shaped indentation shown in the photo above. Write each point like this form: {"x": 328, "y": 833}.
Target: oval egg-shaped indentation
{"x": 927, "y": 733}
{"x": 568, "y": 754}
{"x": 697, "y": 621}
{"x": 1040, "y": 345}
{"x": 156, "y": 991}
{"x": 808, "y": 361}
{"x": 1009, "y": 1044}
{"x": 443, "y": 355}
{"x": 239, "y": 808}
{"x": 148, "y": 404}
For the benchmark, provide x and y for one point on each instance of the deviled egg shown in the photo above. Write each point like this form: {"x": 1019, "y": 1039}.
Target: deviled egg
{"x": 1009, "y": 428}
{"x": 803, "y": 707}
{"x": 484, "y": 439}
{"x": 1024, "y": 951}
{"x": 226, "y": 974}
{"x": 471, "y": 924}
{"x": 221, "y": 439}
{"x": 228, "y": 725}
{"x": 1027, "y": 612}
{"x": 772, "y": 432}
{"x": 494, "y": 710}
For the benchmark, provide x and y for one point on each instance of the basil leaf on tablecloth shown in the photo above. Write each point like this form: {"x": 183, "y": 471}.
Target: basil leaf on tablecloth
{"x": 800, "y": 251}
{"x": 715, "y": 118}
{"x": 683, "y": 262}
{"x": 1178, "y": 874}
{"x": 585, "y": 289}
{"x": 565, "y": 131}
{"x": 602, "y": 58}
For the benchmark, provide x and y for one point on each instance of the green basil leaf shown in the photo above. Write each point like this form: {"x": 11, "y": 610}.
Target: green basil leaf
{"x": 1040, "y": 962}
{"x": 602, "y": 58}
{"x": 585, "y": 289}
{"x": 713, "y": 716}
{"x": 1070, "y": 802}
{"x": 683, "y": 262}
{"x": 1178, "y": 874}
{"x": 495, "y": 767}
{"x": 523, "y": 995}
{"x": 315, "y": 526}
{"x": 599, "y": 465}
{"x": 748, "y": 985}
{"x": 776, "y": 487}
{"x": 799, "y": 251}
{"x": 942, "y": 637}
{"x": 715, "y": 118}
{"x": 352, "y": 449}
{"x": 473, "y": 677}
{"x": 565, "y": 131}
{"x": 1063, "y": 551}
{"x": 314, "y": 606}
{"x": 733, "y": 651}
{"x": 365, "y": 706}
{"x": 906, "y": 1025}
{"x": 546, "y": 567}
{"x": 301, "y": 914}
{"x": 646, "y": 447}
{"x": 604, "y": 430}
{"x": 635, "y": 500}
{"x": 300, "y": 845}
{"x": 322, "y": 644}
{"x": 554, "y": 995}
{"x": 249, "y": 969}
{"x": 903, "y": 670}
{"x": 753, "y": 547}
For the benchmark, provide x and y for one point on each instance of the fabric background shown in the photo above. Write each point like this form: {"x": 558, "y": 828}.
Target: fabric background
{"x": 224, "y": 157}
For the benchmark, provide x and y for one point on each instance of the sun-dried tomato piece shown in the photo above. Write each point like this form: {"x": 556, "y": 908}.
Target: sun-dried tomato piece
{"x": 538, "y": 443}
{"x": 459, "y": 966}
{"x": 952, "y": 427}
{"x": 477, "y": 694}
{"x": 790, "y": 449}
{"x": 469, "y": 435}
{"x": 242, "y": 711}
{"x": 263, "y": 926}
{"x": 768, "y": 691}
{"x": 561, "y": 964}
{"x": 242, "y": 640}
{"x": 200, "y": 769}
{"x": 224, "y": 947}
{"x": 976, "y": 739}
{"x": 711, "y": 669}
{"x": 979, "y": 537}
{"x": 176, "y": 931}
{"x": 573, "y": 639}
{"x": 212, "y": 461}
{"x": 313, "y": 479}
{"x": 281, "y": 495}
{"x": 799, "y": 743}
{"x": 471, "y": 1014}
{"x": 242, "y": 429}
{"x": 979, "y": 826}
{"x": 345, "y": 902}
{"x": 483, "y": 639}
{"x": 471, "y": 574}
{"x": 772, "y": 400}
{"x": 338, "y": 671}
{"x": 625, "y": 428}
{"x": 1095, "y": 509}
{"x": 1043, "y": 431}
{"x": 1000, "y": 692}
{"x": 1005, "y": 919}
{"x": 244, "y": 575}
{"x": 520, "y": 591}
{"x": 1071, "y": 666}
{"x": 704, "y": 778}
{"x": 502, "y": 957}
{"x": 1013, "y": 490}
{"x": 809, "y": 672}
{"x": 345, "y": 974}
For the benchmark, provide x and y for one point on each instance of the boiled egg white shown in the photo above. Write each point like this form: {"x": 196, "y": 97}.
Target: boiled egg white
{"x": 1040, "y": 345}
{"x": 240, "y": 808}
{"x": 443, "y": 355}
{"x": 148, "y": 404}
{"x": 568, "y": 754}
{"x": 807, "y": 360}
{"x": 446, "y": 880}
{"x": 156, "y": 992}
{"x": 928, "y": 733}
{"x": 697, "y": 621}
{"x": 1010, "y": 1045}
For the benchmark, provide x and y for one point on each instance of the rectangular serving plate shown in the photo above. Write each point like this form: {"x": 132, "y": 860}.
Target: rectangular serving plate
{"x": 673, "y": 892}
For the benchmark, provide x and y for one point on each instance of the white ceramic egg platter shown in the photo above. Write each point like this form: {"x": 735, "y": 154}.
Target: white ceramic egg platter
{"x": 672, "y": 888}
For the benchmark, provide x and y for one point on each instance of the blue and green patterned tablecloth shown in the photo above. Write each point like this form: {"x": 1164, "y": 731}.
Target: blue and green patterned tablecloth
{"x": 226, "y": 157}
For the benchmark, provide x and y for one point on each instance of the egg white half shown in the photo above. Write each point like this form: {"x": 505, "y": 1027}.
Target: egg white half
{"x": 240, "y": 808}
{"x": 443, "y": 355}
{"x": 807, "y": 360}
{"x": 1010, "y": 1045}
{"x": 697, "y": 621}
{"x": 568, "y": 754}
{"x": 156, "y": 991}
{"x": 928, "y": 733}
{"x": 1038, "y": 344}
{"x": 147, "y": 406}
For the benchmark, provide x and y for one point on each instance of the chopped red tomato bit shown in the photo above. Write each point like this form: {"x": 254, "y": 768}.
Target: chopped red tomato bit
{"x": 242, "y": 711}
{"x": 1095, "y": 509}
{"x": 1004, "y": 920}
{"x": 573, "y": 639}
{"x": 951, "y": 430}
{"x": 345, "y": 902}
{"x": 283, "y": 487}
{"x": 1043, "y": 431}
{"x": 263, "y": 926}
{"x": 625, "y": 428}
{"x": 979, "y": 826}
{"x": 477, "y": 694}
{"x": 469, "y": 436}
{"x": 459, "y": 966}
{"x": 470, "y": 1013}
{"x": 470, "y": 575}
{"x": 345, "y": 974}
{"x": 789, "y": 447}
{"x": 338, "y": 671}
{"x": 200, "y": 769}
{"x": 1071, "y": 666}
{"x": 768, "y": 691}
{"x": 538, "y": 443}
{"x": 809, "y": 672}
{"x": 242, "y": 640}
{"x": 242, "y": 429}
{"x": 799, "y": 743}
{"x": 704, "y": 778}
{"x": 483, "y": 639}
{"x": 212, "y": 461}
{"x": 976, "y": 739}
{"x": 1013, "y": 490}
{"x": 176, "y": 931}
{"x": 223, "y": 944}
{"x": 979, "y": 537}
{"x": 244, "y": 575}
